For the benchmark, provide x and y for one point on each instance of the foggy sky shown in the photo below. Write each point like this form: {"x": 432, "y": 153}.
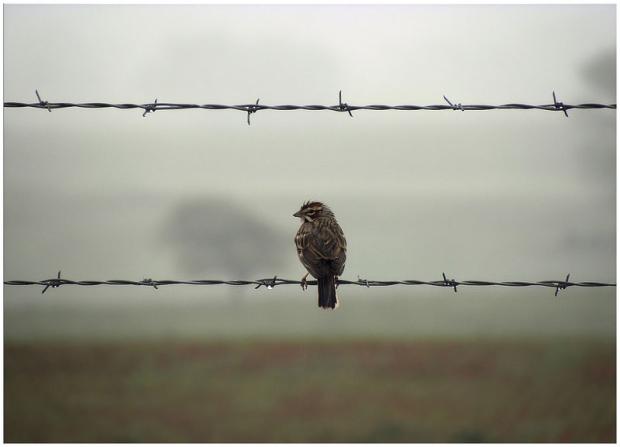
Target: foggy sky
{"x": 504, "y": 195}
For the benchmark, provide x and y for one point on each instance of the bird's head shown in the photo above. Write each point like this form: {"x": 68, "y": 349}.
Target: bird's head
{"x": 313, "y": 210}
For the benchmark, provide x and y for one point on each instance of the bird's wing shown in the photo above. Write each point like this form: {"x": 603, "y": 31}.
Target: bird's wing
{"x": 327, "y": 241}
{"x": 301, "y": 240}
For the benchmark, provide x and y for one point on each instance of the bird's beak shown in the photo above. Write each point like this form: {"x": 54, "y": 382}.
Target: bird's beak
{"x": 297, "y": 214}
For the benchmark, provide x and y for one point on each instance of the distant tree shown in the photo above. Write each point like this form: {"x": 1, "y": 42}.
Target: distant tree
{"x": 600, "y": 71}
{"x": 214, "y": 236}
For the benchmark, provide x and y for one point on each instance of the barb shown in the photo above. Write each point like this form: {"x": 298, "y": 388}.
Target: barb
{"x": 148, "y": 108}
{"x": 556, "y": 106}
{"x": 270, "y": 283}
{"x": 252, "y": 108}
{"x": 149, "y": 282}
{"x": 343, "y": 106}
{"x": 458, "y": 106}
{"x": 363, "y": 281}
{"x": 562, "y": 285}
{"x": 43, "y": 103}
{"x": 559, "y": 105}
{"x": 449, "y": 282}
{"x": 54, "y": 282}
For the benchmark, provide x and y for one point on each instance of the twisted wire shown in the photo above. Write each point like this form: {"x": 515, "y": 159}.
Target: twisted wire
{"x": 556, "y": 106}
{"x": 336, "y": 108}
{"x": 275, "y": 281}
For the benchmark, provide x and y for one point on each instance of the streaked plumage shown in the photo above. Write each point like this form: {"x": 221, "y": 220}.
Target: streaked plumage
{"x": 322, "y": 249}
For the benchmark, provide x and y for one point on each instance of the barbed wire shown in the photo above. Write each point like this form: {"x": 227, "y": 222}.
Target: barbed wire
{"x": 270, "y": 283}
{"x": 556, "y": 106}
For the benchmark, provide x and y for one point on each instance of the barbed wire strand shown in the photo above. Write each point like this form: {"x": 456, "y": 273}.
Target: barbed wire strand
{"x": 556, "y": 106}
{"x": 270, "y": 283}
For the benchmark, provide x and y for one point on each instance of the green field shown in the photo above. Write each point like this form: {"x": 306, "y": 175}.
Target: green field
{"x": 559, "y": 390}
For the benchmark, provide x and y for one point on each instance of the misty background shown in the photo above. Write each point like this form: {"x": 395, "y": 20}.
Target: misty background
{"x": 490, "y": 195}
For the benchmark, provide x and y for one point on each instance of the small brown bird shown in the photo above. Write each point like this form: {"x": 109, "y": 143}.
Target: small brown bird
{"x": 322, "y": 249}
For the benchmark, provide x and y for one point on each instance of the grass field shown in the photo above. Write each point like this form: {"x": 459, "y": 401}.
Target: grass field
{"x": 559, "y": 390}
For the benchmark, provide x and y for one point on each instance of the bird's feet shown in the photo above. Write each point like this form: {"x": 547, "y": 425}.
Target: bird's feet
{"x": 336, "y": 281}
{"x": 304, "y": 283}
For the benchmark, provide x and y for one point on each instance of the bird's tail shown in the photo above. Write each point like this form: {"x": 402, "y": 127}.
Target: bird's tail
{"x": 327, "y": 292}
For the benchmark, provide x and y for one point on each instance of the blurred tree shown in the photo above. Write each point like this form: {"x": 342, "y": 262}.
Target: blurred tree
{"x": 217, "y": 237}
{"x": 600, "y": 71}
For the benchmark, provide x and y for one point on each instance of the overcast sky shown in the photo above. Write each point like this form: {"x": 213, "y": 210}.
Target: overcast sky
{"x": 500, "y": 195}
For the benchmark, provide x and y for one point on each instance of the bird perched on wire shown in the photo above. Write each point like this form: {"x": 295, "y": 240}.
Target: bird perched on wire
{"x": 322, "y": 249}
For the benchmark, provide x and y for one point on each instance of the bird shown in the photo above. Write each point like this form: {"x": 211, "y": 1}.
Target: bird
{"x": 322, "y": 249}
